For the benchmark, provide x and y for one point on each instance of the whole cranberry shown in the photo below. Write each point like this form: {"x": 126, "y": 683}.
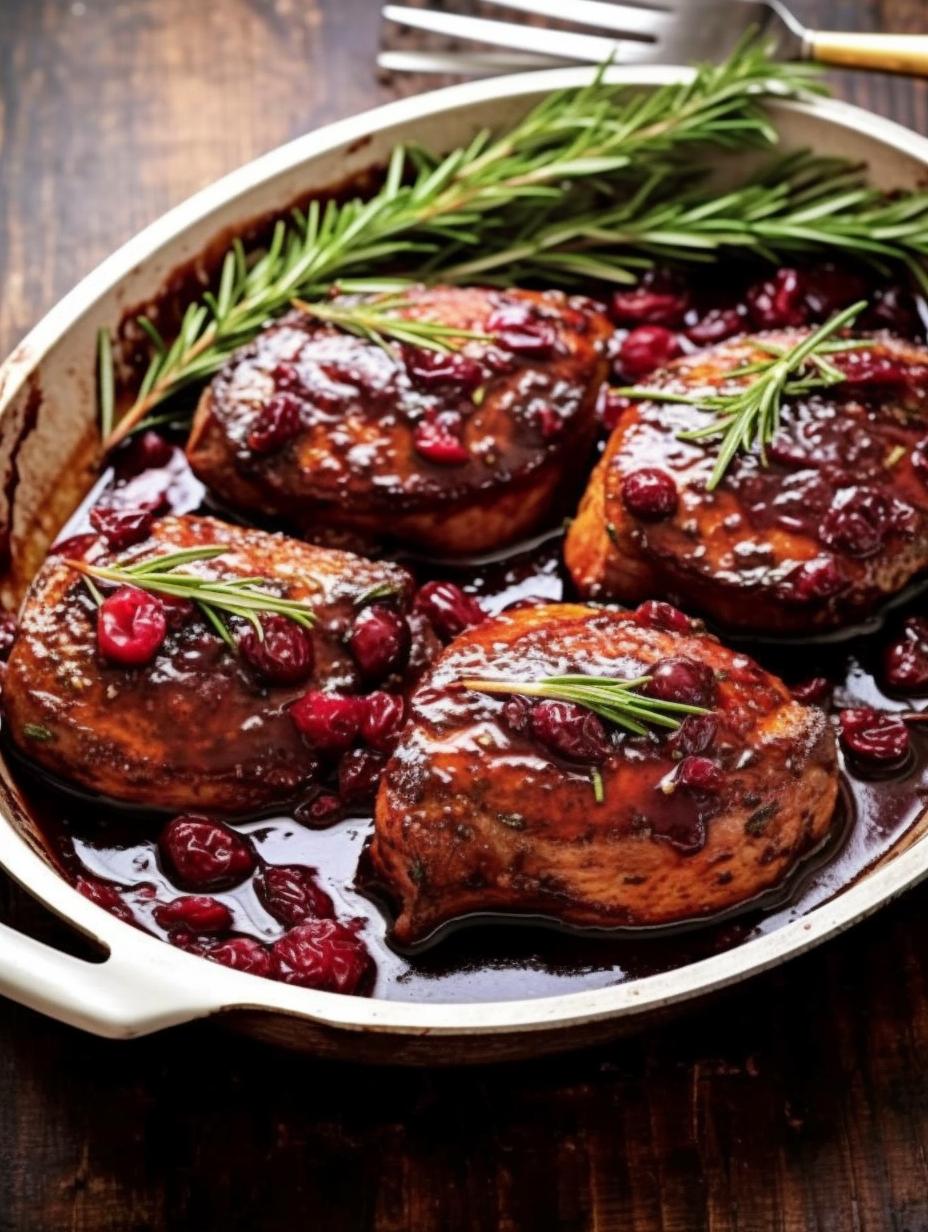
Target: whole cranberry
{"x": 201, "y": 854}
{"x": 437, "y": 440}
{"x": 330, "y": 722}
{"x": 696, "y": 734}
{"x": 659, "y": 299}
{"x": 811, "y": 692}
{"x": 829, "y": 288}
{"x": 359, "y": 773}
{"x": 611, "y": 407}
{"x": 649, "y": 494}
{"x": 244, "y": 954}
{"x": 322, "y": 811}
{"x": 682, "y": 680}
{"x": 146, "y": 451}
{"x": 379, "y": 641}
{"x": 893, "y": 308}
{"x": 105, "y": 895}
{"x": 814, "y": 581}
{"x": 323, "y": 954}
{"x": 284, "y": 655}
{"x": 131, "y": 626}
{"x": 779, "y": 302}
{"x": 520, "y": 329}
{"x": 874, "y": 737}
{"x": 448, "y": 608}
{"x": 869, "y": 369}
{"x": 716, "y": 325}
{"x": 291, "y": 894}
{"x": 383, "y": 718}
{"x": 194, "y": 914}
{"x": 699, "y": 774}
{"x": 276, "y": 423}
{"x": 864, "y": 520}
{"x": 441, "y": 369}
{"x": 659, "y": 615}
{"x": 646, "y": 349}
{"x": 121, "y": 528}
{"x": 905, "y": 660}
{"x": 570, "y": 731}
{"x": 7, "y": 634}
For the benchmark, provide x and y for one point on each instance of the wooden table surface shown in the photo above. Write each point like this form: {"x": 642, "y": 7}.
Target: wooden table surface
{"x": 799, "y": 1101}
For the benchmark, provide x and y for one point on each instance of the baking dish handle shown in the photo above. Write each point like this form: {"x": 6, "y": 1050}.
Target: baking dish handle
{"x": 131, "y": 993}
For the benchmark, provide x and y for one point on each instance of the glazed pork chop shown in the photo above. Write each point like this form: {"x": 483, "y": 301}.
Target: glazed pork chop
{"x": 833, "y": 525}
{"x": 505, "y": 803}
{"x": 454, "y": 452}
{"x": 143, "y": 701}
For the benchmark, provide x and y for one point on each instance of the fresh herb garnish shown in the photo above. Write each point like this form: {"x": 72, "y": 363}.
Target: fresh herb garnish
{"x": 749, "y": 416}
{"x": 380, "y": 590}
{"x": 596, "y": 779}
{"x": 379, "y": 319}
{"x": 244, "y": 597}
{"x": 38, "y": 731}
{"x": 618, "y": 701}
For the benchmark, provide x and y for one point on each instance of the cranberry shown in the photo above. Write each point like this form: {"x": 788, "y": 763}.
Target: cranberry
{"x": 647, "y": 348}
{"x": 779, "y": 302}
{"x": 813, "y": 581}
{"x": 276, "y": 423}
{"x": 106, "y": 896}
{"x": 291, "y": 894}
{"x": 383, "y": 718}
{"x": 323, "y": 954}
{"x": 177, "y": 611}
{"x": 131, "y": 626}
{"x": 330, "y": 722}
{"x": 244, "y": 954}
{"x": 147, "y": 451}
{"x": 287, "y": 377}
{"x": 379, "y": 641}
{"x": 863, "y": 520}
{"x": 611, "y": 407}
{"x": 75, "y": 547}
{"x": 121, "y": 528}
{"x": 905, "y": 661}
{"x": 893, "y": 308}
{"x": 284, "y": 655}
{"x": 204, "y": 855}
{"x": 439, "y": 369}
{"x": 358, "y": 775}
{"x": 696, "y": 734}
{"x": 866, "y": 369}
{"x": 194, "y": 914}
{"x": 7, "y": 634}
{"x": 322, "y": 811}
{"x": 650, "y": 494}
{"x": 448, "y": 608}
{"x": 811, "y": 692}
{"x": 830, "y": 288}
{"x": 699, "y": 774}
{"x": 663, "y": 616}
{"x": 681, "y": 680}
{"x": 520, "y": 329}
{"x": 873, "y": 736}
{"x": 436, "y": 440}
{"x": 570, "y": 731}
{"x": 716, "y": 325}
{"x": 659, "y": 299}
{"x": 550, "y": 423}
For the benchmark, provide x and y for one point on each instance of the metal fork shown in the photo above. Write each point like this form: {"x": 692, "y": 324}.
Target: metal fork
{"x": 642, "y": 32}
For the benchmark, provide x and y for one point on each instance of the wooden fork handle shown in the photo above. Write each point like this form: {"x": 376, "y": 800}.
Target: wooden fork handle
{"x": 892, "y": 53}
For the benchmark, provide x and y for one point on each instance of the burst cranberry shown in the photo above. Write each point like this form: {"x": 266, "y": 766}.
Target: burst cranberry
{"x": 550, "y": 423}
{"x": 570, "y": 731}
{"x": 383, "y": 718}
{"x": 650, "y": 494}
{"x": 7, "y": 635}
{"x": 121, "y": 528}
{"x": 814, "y": 581}
{"x": 437, "y": 440}
{"x": 864, "y": 520}
{"x": 277, "y": 422}
{"x": 893, "y": 308}
{"x": 322, "y": 811}
{"x": 681, "y": 680}
{"x": 379, "y": 641}
{"x": 194, "y": 914}
{"x": 811, "y": 692}
{"x": 905, "y": 661}
{"x": 517, "y": 714}
{"x": 323, "y": 954}
{"x": 448, "y": 608}
{"x": 177, "y": 611}
{"x": 243, "y": 954}
{"x": 520, "y": 329}
{"x": 204, "y": 855}
{"x": 716, "y": 325}
{"x": 874, "y": 737}
{"x": 131, "y": 626}
{"x": 285, "y": 653}
{"x": 830, "y": 288}
{"x": 330, "y": 722}
{"x": 659, "y": 299}
{"x": 699, "y": 775}
{"x": 779, "y": 302}
{"x": 287, "y": 377}
{"x": 646, "y": 349}
{"x": 611, "y": 407}
{"x": 866, "y": 369}
{"x": 75, "y": 547}
{"x": 291, "y": 893}
{"x": 659, "y": 615}
{"x": 358, "y": 775}
{"x": 440, "y": 369}
{"x": 106, "y": 896}
{"x": 696, "y": 734}
{"x": 147, "y": 451}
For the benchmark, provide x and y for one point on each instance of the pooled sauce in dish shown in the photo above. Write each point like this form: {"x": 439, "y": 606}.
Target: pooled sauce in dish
{"x": 112, "y": 852}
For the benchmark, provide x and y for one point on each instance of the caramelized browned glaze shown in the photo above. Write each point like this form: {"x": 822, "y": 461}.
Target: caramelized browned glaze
{"x": 456, "y": 454}
{"x": 834, "y": 524}
{"x": 475, "y": 815}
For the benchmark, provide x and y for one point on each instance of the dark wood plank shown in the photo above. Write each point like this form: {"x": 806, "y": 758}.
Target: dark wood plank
{"x": 798, "y": 1102}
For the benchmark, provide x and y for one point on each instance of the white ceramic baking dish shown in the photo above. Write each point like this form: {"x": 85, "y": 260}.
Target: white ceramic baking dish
{"x": 47, "y": 434}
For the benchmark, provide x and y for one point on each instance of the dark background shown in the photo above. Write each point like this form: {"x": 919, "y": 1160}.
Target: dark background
{"x": 799, "y": 1101}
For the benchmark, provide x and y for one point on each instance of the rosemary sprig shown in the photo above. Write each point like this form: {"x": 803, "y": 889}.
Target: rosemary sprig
{"x": 379, "y": 319}
{"x": 750, "y": 415}
{"x": 244, "y": 597}
{"x": 468, "y": 200}
{"x": 618, "y": 701}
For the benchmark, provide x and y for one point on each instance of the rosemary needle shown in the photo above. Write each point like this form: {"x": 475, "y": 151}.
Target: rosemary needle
{"x": 379, "y": 319}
